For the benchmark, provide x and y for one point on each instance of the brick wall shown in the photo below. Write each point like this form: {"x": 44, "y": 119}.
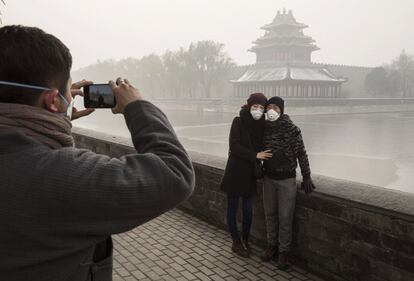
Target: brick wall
{"x": 343, "y": 231}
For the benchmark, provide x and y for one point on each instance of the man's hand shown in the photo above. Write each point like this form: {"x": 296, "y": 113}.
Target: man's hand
{"x": 124, "y": 93}
{"x": 76, "y": 91}
{"x": 307, "y": 185}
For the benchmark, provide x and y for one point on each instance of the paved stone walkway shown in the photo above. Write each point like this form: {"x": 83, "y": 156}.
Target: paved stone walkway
{"x": 177, "y": 246}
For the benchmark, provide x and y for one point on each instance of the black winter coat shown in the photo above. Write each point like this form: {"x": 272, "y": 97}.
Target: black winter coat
{"x": 59, "y": 207}
{"x": 239, "y": 176}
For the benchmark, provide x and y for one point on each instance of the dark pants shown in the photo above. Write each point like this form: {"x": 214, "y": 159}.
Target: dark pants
{"x": 232, "y": 206}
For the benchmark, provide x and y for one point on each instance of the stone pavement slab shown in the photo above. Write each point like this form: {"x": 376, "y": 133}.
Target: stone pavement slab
{"x": 178, "y": 246}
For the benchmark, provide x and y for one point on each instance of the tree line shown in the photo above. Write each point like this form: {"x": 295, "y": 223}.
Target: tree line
{"x": 4, "y": 3}
{"x": 200, "y": 71}
{"x": 392, "y": 80}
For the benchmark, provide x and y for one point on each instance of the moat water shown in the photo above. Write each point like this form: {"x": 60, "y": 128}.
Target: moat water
{"x": 371, "y": 148}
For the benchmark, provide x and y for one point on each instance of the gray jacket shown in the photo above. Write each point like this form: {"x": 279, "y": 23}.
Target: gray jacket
{"x": 58, "y": 208}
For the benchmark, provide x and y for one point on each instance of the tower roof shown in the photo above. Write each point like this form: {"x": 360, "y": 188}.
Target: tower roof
{"x": 309, "y": 46}
{"x": 280, "y": 73}
{"x": 284, "y": 19}
{"x": 284, "y": 40}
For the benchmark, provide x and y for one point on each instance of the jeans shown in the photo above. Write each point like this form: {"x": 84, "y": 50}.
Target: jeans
{"x": 279, "y": 198}
{"x": 247, "y": 208}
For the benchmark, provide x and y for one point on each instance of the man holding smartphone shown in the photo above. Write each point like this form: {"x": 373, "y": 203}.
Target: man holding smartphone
{"x": 60, "y": 205}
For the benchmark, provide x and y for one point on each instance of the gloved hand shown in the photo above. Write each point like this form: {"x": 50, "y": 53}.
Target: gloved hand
{"x": 307, "y": 184}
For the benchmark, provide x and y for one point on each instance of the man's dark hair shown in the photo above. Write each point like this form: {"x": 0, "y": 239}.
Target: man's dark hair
{"x": 29, "y": 55}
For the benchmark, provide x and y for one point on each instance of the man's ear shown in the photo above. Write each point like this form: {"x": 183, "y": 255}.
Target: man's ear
{"x": 51, "y": 100}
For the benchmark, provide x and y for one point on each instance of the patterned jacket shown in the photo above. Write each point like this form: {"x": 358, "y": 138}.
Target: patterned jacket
{"x": 285, "y": 141}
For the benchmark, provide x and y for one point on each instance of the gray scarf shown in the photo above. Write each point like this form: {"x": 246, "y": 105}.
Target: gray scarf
{"x": 46, "y": 127}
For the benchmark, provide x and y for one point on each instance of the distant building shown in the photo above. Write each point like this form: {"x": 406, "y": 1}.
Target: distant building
{"x": 283, "y": 64}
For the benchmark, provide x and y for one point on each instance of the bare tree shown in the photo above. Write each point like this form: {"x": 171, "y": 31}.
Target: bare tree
{"x": 211, "y": 64}
{"x": 393, "y": 80}
{"x": 174, "y": 67}
{"x": 404, "y": 67}
{"x": 4, "y": 3}
{"x": 377, "y": 82}
{"x": 150, "y": 73}
{"x": 197, "y": 72}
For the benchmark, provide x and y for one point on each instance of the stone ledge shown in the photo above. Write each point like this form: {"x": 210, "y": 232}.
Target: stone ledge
{"x": 382, "y": 198}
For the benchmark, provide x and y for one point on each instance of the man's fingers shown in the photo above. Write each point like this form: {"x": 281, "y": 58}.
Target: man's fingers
{"x": 115, "y": 110}
{"x": 119, "y": 81}
{"x": 128, "y": 83}
{"x": 112, "y": 84}
{"x": 76, "y": 92}
{"x": 82, "y": 113}
{"x": 81, "y": 84}
{"x": 85, "y": 112}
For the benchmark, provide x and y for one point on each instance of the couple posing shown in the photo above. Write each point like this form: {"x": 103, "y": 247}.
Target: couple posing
{"x": 277, "y": 142}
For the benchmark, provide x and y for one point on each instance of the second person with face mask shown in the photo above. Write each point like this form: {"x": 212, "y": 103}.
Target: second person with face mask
{"x": 239, "y": 181}
{"x": 284, "y": 139}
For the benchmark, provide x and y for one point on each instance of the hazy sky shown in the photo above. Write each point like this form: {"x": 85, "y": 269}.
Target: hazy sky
{"x": 352, "y": 32}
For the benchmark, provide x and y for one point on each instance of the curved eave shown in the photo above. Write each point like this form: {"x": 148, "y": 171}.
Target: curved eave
{"x": 289, "y": 79}
{"x": 265, "y": 43}
{"x": 256, "y": 48}
{"x": 265, "y": 38}
{"x": 276, "y": 25}
{"x": 280, "y": 74}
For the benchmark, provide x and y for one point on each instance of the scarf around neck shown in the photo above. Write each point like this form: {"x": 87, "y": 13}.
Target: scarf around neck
{"x": 46, "y": 127}
{"x": 255, "y": 127}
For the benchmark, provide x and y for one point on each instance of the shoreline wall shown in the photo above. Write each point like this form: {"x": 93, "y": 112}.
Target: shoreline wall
{"x": 296, "y": 106}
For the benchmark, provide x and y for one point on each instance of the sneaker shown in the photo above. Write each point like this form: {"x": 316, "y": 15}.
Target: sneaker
{"x": 238, "y": 248}
{"x": 269, "y": 253}
{"x": 283, "y": 261}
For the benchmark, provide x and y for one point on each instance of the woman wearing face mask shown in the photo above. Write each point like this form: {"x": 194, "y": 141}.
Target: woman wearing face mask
{"x": 239, "y": 181}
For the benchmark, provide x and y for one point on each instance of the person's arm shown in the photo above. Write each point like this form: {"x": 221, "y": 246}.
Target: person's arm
{"x": 303, "y": 160}
{"x": 302, "y": 155}
{"x": 99, "y": 195}
{"x": 236, "y": 147}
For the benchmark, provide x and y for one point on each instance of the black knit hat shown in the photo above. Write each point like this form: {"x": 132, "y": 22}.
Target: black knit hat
{"x": 257, "y": 98}
{"x": 277, "y": 101}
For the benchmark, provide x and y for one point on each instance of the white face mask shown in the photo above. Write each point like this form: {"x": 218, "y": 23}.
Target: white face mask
{"x": 272, "y": 115}
{"x": 67, "y": 114}
{"x": 69, "y": 110}
{"x": 256, "y": 113}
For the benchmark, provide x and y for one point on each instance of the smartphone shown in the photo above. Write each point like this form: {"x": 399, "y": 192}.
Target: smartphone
{"x": 98, "y": 96}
